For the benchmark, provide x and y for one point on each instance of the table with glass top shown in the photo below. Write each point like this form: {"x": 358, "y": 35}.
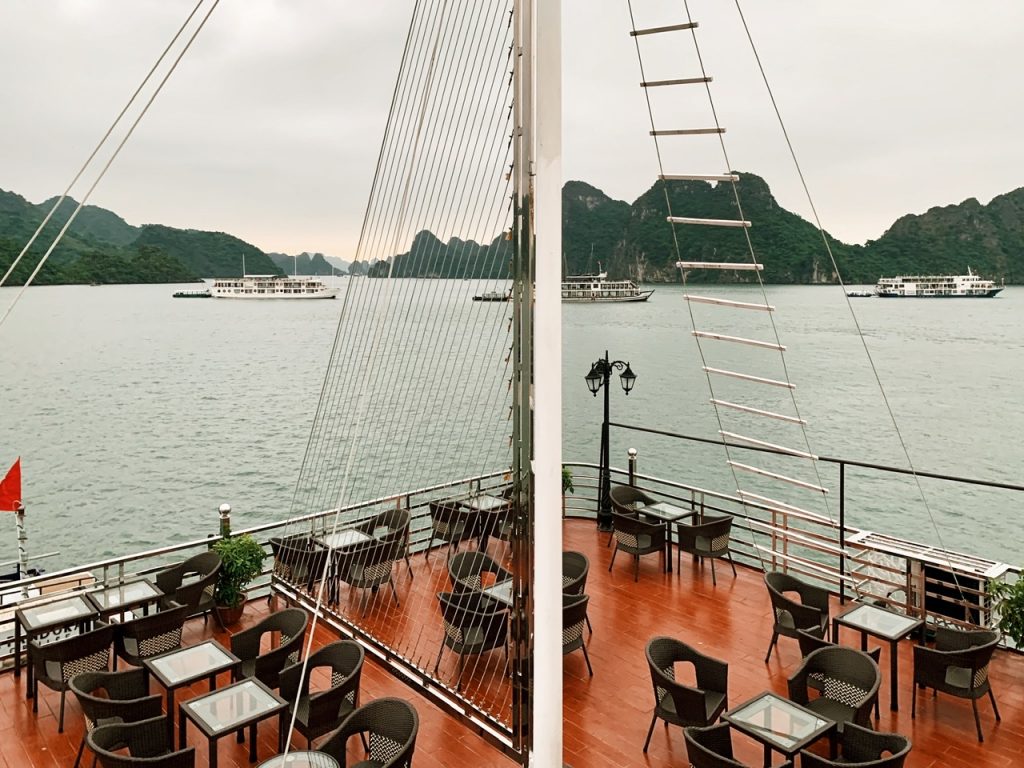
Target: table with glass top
{"x": 490, "y": 510}
{"x": 53, "y": 616}
{"x": 230, "y": 709}
{"x": 300, "y": 759}
{"x": 668, "y": 514}
{"x": 120, "y": 598}
{"x": 778, "y": 724}
{"x": 500, "y": 591}
{"x": 883, "y": 624}
{"x": 184, "y": 666}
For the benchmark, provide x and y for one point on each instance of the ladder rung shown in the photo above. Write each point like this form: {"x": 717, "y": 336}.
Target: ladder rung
{"x": 738, "y": 340}
{"x": 789, "y": 533}
{"x": 708, "y": 222}
{"x": 718, "y": 265}
{"x": 728, "y": 303}
{"x": 758, "y": 411}
{"x": 678, "y": 81}
{"x": 779, "y": 506}
{"x": 777, "y": 476}
{"x": 657, "y": 30}
{"x": 699, "y": 177}
{"x": 688, "y": 132}
{"x": 770, "y": 446}
{"x": 748, "y": 377}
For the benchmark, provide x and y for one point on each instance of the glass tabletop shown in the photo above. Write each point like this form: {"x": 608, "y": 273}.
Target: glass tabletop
{"x": 229, "y": 708}
{"x": 878, "y": 621}
{"x": 131, "y": 593}
{"x": 64, "y": 611}
{"x": 187, "y": 664}
{"x": 485, "y": 503}
{"x": 502, "y": 591}
{"x": 778, "y": 721}
{"x": 300, "y": 759}
{"x": 662, "y": 510}
{"x": 342, "y": 539}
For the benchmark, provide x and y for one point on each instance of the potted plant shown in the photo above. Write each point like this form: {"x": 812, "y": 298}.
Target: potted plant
{"x": 1009, "y": 605}
{"x": 567, "y": 486}
{"x": 241, "y": 561}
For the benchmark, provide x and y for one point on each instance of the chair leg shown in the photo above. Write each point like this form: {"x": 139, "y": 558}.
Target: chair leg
{"x": 81, "y": 749}
{"x": 60, "y": 722}
{"x": 992, "y": 698}
{"x": 614, "y": 553}
{"x": 592, "y": 632}
{"x": 729, "y": 555}
{"x": 409, "y": 566}
{"x": 394, "y": 594}
{"x": 771, "y": 645}
{"x": 647, "y": 743}
{"x": 636, "y": 568}
{"x": 426, "y": 554}
{"x": 586, "y": 657}
{"x": 977, "y": 720}
{"x": 913, "y": 698}
{"x": 438, "y": 662}
{"x": 714, "y": 581}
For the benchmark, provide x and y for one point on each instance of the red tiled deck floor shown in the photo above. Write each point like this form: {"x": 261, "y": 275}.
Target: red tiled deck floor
{"x": 606, "y": 717}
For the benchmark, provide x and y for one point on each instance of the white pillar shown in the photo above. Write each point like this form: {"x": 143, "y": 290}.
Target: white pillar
{"x": 547, "y": 395}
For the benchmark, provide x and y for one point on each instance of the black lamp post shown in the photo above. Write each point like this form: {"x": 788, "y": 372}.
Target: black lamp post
{"x": 600, "y": 376}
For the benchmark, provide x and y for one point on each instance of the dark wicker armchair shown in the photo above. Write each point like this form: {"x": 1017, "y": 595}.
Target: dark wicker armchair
{"x": 466, "y": 571}
{"x": 863, "y": 748}
{"x": 395, "y": 525}
{"x": 637, "y": 537}
{"x": 809, "y": 613}
{"x": 266, "y": 667}
{"x": 957, "y": 665}
{"x": 574, "y": 615}
{"x": 148, "y": 744}
{"x": 708, "y": 538}
{"x": 575, "y": 568}
{"x": 320, "y": 712}
{"x": 450, "y": 522}
{"x": 626, "y": 499}
{"x": 298, "y": 560}
{"x": 368, "y": 566}
{"x": 54, "y": 664}
{"x": 125, "y": 699}
{"x": 388, "y": 726}
{"x": 151, "y": 635}
{"x": 711, "y": 747}
{"x": 809, "y": 643}
{"x": 473, "y": 624}
{"x": 190, "y": 583}
{"x": 849, "y": 681}
{"x": 680, "y": 704}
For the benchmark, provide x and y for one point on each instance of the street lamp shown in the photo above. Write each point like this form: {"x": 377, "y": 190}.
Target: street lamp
{"x": 600, "y": 376}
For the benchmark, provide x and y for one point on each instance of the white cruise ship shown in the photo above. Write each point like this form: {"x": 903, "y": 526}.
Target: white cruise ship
{"x": 937, "y": 286}
{"x": 271, "y": 287}
{"x": 593, "y": 288}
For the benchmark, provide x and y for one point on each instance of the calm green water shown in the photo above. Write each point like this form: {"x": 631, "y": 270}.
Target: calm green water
{"x": 136, "y": 414}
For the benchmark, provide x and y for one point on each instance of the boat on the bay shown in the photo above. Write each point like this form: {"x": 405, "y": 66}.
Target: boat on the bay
{"x": 192, "y": 294}
{"x": 597, "y": 288}
{"x": 271, "y": 287}
{"x": 969, "y": 286}
{"x": 860, "y": 294}
{"x": 492, "y": 296}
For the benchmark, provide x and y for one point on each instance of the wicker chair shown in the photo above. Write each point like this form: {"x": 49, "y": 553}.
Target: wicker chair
{"x": 320, "y": 712}
{"x": 863, "y": 748}
{"x": 151, "y": 635}
{"x": 298, "y": 561}
{"x": 396, "y": 524}
{"x": 466, "y": 570}
{"x": 708, "y": 538}
{"x": 387, "y": 726}
{"x": 125, "y": 699}
{"x": 625, "y": 499}
{"x": 575, "y": 568}
{"x": 637, "y": 537}
{"x": 574, "y": 615}
{"x": 810, "y": 613}
{"x": 711, "y": 747}
{"x": 849, "y": 679}
{"x": 190, "y": 583}
{"x": 367, "y": 567}
{"x": 148, "y": 746}
{"x": 54, "y": 664}
{"x": 473, "y": 624}
{"x": 809, "y": 643}
{"x": 680, "y": 704}
{"x": 957, "y": 665}
{"x": 450, "y": 522}
{"x": 266, "y": 667}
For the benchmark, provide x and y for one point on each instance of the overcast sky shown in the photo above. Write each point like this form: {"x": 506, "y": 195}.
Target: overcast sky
{"x": 270, "y": 127}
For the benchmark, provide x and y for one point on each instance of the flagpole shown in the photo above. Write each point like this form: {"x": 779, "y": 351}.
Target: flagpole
{"x": 22, "y": 552}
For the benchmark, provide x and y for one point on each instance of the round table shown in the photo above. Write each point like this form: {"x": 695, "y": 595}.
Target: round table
{"x": 300, "y": 759}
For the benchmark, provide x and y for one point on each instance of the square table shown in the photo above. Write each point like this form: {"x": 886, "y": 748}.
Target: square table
{"x": 337, "y": 541}
{"x": 489, "y": 509}
{"x": 668, "y": 514}
{"x": 778, "y": 724}
{"x": 500, "y": 591}
{"x": 184, "y": 666}
{"x": 300, "y": 759}
{"x": 47, "y": 617}
{"x": 229, "y": 709}
{"x": 122, "y": 597}
{"x": 883, "y": 624}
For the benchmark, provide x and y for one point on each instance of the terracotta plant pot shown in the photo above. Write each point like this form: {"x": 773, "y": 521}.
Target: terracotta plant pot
{"x": 227, "y": 616}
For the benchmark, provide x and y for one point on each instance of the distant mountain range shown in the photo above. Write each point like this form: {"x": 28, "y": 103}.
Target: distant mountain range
{"x": 626, "y": 239}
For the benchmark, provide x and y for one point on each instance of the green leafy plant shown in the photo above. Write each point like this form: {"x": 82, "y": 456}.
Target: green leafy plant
{"x": 567, "y": 486}
{"x": 1009, "y": 602}
{"x": 241, "y": 561}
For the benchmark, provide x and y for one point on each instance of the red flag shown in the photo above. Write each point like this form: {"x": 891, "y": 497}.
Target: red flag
{"x": 10, "y": 488}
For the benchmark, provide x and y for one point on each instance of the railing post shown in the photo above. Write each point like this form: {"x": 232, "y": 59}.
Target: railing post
{"x": 632, "y": 466}
{"x": 842, "y": 533}
{"x": 225, "y": 520}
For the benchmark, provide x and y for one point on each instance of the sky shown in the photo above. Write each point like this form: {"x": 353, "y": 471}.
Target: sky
{"x": 271, "y": 124}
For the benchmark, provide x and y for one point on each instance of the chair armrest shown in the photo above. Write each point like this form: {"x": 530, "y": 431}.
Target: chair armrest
{"x": 246, "y": 644}
{"x": 292, "y": 684}
{"x": 712, "y": 674}
{"x": 815, "y": 596}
